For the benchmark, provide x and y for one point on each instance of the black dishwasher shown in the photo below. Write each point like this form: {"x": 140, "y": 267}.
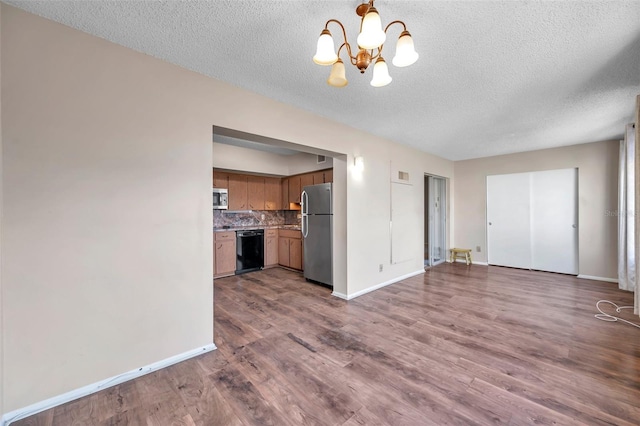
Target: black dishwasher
{"x": 249, "y": 250}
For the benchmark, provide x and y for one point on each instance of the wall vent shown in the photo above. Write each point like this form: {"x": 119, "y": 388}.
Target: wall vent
{"x": 322, "y": 159}
{"x": 403, "y": 176}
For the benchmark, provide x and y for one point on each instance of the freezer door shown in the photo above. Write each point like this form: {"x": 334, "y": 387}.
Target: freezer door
{"x": 317, "y": 249}
{"x": 316, "y": 199}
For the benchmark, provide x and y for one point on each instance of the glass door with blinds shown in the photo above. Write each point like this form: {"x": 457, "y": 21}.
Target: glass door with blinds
{"x": 435, "y": 224}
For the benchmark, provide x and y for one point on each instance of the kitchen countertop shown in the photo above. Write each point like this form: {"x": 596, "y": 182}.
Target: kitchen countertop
{"x": 242, "y": 228}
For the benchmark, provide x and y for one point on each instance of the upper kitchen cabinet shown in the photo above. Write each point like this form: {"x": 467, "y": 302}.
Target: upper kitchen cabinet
{"x": 272, "y": 194}
{"x": 306, "y": 180}
{"x": 294, "y": 189}
{"x": 285, "y": 193}
{"x": 220, "y": 179}
{"x": 255, "y": 192}
{"x": 322, "y": 176}
{"x": 238, "y": 192}
{"x": 328, "y": 176}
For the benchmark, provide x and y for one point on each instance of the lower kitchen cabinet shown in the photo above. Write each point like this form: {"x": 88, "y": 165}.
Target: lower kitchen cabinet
{"x": 224, "y": 248}
{"x": 295, "y": 253}
{"x": 270, "y": 247}
{"x": 290, "y": 249}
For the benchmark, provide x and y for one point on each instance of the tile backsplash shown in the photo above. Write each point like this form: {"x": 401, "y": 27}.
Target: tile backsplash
{"x": 223, "y": 218}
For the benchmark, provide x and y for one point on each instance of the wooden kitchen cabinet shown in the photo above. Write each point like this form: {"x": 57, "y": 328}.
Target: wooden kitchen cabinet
{"x": 220, "y": 179}
{"x": 271, "y": 247}
{"x": 328, "y": 176}
{"x": 285, "y": 193}
{"x": 318, "y": 177}
{"x": 283, "y": 251}
{"x": 290, "y": 248}
{"x": 255, "y": 192}
{"x": 238, "y": 192}
{"x": 224, "y": 250}
{"x": 323, "y": 176}
{"x": 272, "y": 194}
{"x": 295, "y": 253}
{"x": 294, "y": 189}
{"x": 251, "y": 192}
{"x": 306, "y": 180}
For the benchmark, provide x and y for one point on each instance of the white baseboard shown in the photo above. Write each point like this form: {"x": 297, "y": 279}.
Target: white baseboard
{"x": 474, "y": 262}
{"x": 378, "y": 286}
{"x": 591, "y": 277}
{"x": 340, "y": 295}
{"x": 32, "y": 409}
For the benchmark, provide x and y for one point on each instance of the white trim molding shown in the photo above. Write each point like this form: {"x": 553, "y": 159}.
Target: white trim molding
{"x": 32, "y": 409}
{"x": 591, "y": 277}
{"x": 378, "y": 286}
{"x": 473, "y": 262}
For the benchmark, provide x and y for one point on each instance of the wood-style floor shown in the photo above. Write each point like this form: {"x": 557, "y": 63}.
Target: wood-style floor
{"x": 460, "y": 345}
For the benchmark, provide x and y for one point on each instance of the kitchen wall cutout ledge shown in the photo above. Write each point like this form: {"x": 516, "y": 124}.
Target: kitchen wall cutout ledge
{"x": 376, "y": 287}
{"x": 38, "y": 407}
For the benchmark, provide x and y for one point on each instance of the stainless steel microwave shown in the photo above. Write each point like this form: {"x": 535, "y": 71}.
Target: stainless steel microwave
{"x": 220, "y": 198}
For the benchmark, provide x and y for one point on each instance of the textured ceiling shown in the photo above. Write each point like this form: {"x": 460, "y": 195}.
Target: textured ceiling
{"x": 494, "y": 77}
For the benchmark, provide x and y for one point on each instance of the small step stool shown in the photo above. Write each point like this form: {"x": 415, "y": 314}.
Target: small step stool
{"x": 457, "y": 253}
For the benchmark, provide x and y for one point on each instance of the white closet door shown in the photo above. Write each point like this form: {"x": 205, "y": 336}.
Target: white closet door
{"x": 508, "y": 220}
{"x": 554, "y": 221}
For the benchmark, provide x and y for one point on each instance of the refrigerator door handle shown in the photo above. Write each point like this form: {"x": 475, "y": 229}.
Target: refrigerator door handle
{"x": 304, "y": 199}
{"x": 305, "y": 226}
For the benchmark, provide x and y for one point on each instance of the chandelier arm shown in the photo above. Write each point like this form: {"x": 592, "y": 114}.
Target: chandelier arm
{"x": 352, "y": 58}
{"x": 344, "y": 36}
{"x": 404, "y": 27}
{"x": 377, "y": 55}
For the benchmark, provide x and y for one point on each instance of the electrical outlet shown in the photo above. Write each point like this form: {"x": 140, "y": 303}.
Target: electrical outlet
{"x": 478, "y": 248}
{"x": 380, "y": 268}
{"x": 262, "y": 216}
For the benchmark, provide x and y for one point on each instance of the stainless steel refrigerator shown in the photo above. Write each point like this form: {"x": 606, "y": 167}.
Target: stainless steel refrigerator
{"x": 317, "y": 228}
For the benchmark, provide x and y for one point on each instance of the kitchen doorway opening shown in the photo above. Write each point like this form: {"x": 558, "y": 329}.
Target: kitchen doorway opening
{"x": 243, "y": 155}
{"x": 435, "y": 219}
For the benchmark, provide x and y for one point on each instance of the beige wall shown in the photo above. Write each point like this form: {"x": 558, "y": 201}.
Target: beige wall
{"x": 304, "y": 163}
{"x": 597, "y": 165}
{"x": 2, "y": 389}
{"x": 636, "y": 309}
{"x": 107, "y": 220}
{"x": 106, "y": 240}
{"x": 251, "y": 160}
{"x": 248, "y": 160}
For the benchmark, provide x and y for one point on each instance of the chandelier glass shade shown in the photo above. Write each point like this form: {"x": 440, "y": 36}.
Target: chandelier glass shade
{"x": 370, "y": 44}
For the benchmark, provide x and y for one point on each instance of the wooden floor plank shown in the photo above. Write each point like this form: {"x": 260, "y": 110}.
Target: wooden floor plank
{"x": 458, "y": 345}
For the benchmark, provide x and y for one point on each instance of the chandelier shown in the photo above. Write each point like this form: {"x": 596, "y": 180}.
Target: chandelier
{"x": 371, "y": 38}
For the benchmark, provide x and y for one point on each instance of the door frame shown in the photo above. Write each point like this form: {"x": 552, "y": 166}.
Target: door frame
{"x": 429, "y": 182}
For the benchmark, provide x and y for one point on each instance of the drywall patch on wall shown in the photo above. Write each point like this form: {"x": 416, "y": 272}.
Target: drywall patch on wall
{"x": 403, "y": 205}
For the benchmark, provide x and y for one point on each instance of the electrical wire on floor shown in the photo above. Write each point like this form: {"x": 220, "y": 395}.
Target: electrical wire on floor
{"x": 612, "y": 318}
